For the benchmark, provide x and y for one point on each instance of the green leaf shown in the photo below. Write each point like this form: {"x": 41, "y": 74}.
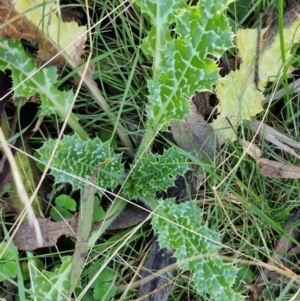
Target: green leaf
{"x": 35, "y": 264}
{"x": 65, "y": 201}
{"x": 162, "y": 15}
{"x": 181, "y": 64}
{"x": 53, "y": 285}
{"x": 88, "y": 296}
{"x": 98, "y": 213}
{"x": 155, "y": 172}
{"x": 215, "y": 277}
{"x": 64, "y": 204}
{"x": 245, "y": 274}
{"x": 75, "y": 161}
{"x": 30, "y": 80}
{"x": 189, "y": 239}
{"x": 8, "y": 265}
{"x": 105, "y": 134}
{"x": 103, "y": 287}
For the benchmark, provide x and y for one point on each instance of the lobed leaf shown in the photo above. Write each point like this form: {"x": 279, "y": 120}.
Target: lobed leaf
{"x": 75, "y": 160}
{"x": 29, "y": 80}
{"x": 215, "y": 277}
{"x": 63, "y": 205}
{"x": 181, "y": 64}
{"x": 154, "y": 172}
{"x": 162, "y": 14}
{"x": 185, "y": 235}
{"x": 52, "y": 285}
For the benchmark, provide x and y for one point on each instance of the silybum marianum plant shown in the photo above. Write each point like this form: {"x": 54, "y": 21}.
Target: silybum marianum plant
{"x": 182, "y": 64}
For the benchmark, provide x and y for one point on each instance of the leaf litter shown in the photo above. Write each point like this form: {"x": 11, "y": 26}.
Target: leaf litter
{"x": 51, "y": 231}
{"x": 239, "y": 98}
{"x": 270, "y": 168}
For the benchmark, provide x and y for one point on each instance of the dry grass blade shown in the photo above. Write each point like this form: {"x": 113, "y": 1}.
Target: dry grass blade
{"x": 281, "y": 141}
{"x": 270, "y": 168}
{"x": 21, "y": 190}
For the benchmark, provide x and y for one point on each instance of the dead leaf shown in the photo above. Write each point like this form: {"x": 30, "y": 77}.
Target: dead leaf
{"x": 14, "y": 25}
{"x": 251, "y": 149}
{"x": 24, "y": 238}
{"x": 159, "y": 287}
{"x": 270, "y": 168}
{"x": 281, "y": 141}
{"x": 274, "y": 169}
{"x": 196, "y": 137}
{"x": 194, "y": 134}
{"x": 37, "y": 21}
{"x": 239, "y": 98}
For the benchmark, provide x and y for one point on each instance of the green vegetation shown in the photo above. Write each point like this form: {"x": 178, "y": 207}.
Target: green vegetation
{"x": 116, "y": 149}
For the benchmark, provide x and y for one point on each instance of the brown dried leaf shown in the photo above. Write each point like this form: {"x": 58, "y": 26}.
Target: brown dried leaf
{"x": 38, "y": 22}
{"x": 196, "y": 137}
{"x": 251, "y": 149}
{"x": 159, "y": 287}
{"x": 25, "y": 239}
{"x": 269, "y": 168}
{"x": 194, "y": 134}
{"x": 281, "y": 141}
{"x": 15, "y": 26}
{"x": 274, "y": 169}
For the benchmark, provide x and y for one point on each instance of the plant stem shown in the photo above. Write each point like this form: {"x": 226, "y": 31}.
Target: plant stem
{"x": 146, "y": 142}
{"x": 74, "y": 124}
{"x": 112, "y": 213}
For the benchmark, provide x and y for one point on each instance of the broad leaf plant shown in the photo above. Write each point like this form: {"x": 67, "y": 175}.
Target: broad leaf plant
{"x": 184, "y": 61}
